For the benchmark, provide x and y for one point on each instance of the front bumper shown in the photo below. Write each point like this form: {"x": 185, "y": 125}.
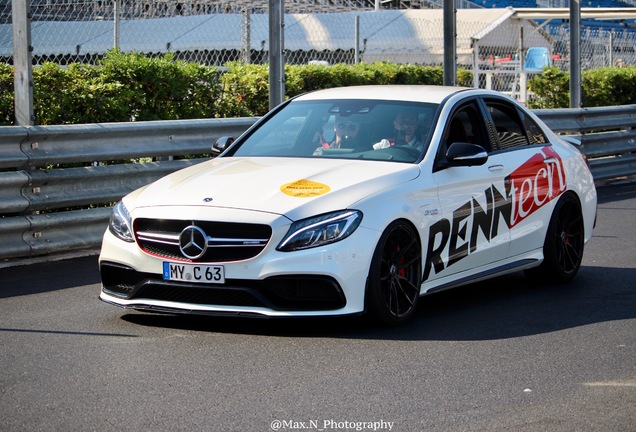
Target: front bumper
{"x": 277, "y": 293}
{"x": 325, "y": 281}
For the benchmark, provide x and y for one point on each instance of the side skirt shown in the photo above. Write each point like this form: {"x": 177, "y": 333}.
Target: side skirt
{"x": 488, "y": 274}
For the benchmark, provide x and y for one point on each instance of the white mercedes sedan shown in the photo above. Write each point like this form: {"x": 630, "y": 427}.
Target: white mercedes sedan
{"x": 355, "y": 200}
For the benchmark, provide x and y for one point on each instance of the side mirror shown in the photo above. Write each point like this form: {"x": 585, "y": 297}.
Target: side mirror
{"x": 221, "y": 143}
{"x": 465, "y": 154}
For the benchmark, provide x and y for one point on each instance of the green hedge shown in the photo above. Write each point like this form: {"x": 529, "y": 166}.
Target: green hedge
{"x": 246, "y": 87}
{"x": 122, "y": 87}
{"x": 609, "y": 86}
{"x": 6, "y": 94}
{"x": 129, "y": 87}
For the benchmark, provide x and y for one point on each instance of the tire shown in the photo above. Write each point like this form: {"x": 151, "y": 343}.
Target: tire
{"x": 564, "y": 242}
{"x": 393, "y": 287}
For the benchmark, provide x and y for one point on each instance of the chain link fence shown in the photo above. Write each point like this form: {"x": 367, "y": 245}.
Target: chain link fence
{"x": 500, "y": 52}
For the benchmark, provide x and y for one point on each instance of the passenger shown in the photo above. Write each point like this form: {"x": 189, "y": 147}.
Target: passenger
{"x": 406, "y": 132}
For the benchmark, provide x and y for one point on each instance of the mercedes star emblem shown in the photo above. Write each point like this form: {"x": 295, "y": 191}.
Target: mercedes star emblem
{"x": 193, "y": 242}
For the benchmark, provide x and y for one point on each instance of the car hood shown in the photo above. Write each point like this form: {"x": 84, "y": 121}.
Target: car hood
{"x": 293, "y": 187}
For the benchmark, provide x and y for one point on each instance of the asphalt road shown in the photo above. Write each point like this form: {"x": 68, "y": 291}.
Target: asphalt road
{"x": 505, "y": 355}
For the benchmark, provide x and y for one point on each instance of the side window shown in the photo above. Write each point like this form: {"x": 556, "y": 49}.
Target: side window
{"x": 465, "y": 125}
{"x": 510, "y": 130}
{"x": 535, "y": 134}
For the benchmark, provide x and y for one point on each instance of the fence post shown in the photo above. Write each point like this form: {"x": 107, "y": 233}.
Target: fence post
{"x": 450, "y": 43}
{"x": 23, "y": 71}
{"x": 356, "y": 26}
{"x": 116, "y": 23}
{"x": 575, "y": 54}
{"x": 276, "y": 60}
{"x": 247, "y": 36}
{"x": 611, "y": 49}
{"x": 476, "y": 66}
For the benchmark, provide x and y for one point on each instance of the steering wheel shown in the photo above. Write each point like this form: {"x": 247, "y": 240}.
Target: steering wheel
{"x": 410, "y": 151}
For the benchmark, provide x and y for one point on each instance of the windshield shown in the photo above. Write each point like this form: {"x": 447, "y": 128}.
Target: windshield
{"x": 346, "y": 129}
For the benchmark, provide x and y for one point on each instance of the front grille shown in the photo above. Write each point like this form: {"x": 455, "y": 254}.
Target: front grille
{"x": 226, "y": 241}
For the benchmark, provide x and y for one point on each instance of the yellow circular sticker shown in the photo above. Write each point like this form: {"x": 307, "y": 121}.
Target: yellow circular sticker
{"x": 304, "y": 189}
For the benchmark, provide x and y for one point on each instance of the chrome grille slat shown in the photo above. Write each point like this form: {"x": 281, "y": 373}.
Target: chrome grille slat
{"x": 155, "y": 237}
{"x": 227, "y": 242}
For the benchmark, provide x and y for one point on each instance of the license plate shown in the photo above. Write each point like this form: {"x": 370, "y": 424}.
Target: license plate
{"x": 193, "y": 273}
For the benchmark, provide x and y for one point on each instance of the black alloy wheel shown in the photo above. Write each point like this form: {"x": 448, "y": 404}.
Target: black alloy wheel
{"x": 395, "y": 275}
{"x": 564, "y": 243}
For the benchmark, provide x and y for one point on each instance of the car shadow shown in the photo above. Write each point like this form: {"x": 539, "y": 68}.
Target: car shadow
{"x": 507, "y": 307}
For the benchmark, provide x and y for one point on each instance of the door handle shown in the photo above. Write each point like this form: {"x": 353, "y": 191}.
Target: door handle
{"x": 495, "y": 168}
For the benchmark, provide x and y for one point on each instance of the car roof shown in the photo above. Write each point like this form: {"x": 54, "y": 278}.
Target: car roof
{"x": 410, "y": 93}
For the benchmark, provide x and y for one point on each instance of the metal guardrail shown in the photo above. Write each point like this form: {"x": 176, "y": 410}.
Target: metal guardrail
{"x": 36, "y": 194}
{"x": 608, "y": 136}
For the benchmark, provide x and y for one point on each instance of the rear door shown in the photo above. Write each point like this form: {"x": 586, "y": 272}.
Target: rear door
{"x": 534, "y": 174}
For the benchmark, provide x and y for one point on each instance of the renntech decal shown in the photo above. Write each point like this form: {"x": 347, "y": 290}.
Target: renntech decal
{"x": 451, "y": 240}
{"x": 535, "y": 183}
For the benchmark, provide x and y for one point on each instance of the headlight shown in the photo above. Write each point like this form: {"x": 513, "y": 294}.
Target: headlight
{"x": 119, "y": 223}
{"x": 320, "y": 230}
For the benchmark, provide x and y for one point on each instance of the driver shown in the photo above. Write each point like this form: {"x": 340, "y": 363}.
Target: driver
{"x": 346, "y": 130}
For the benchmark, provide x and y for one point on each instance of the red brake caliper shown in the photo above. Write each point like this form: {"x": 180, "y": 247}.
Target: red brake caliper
{"x": 402, "y": 269}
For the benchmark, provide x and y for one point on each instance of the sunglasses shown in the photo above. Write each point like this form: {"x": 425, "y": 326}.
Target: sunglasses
{"x": 350, "y": 126}
{"x": 406, "y": 122}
